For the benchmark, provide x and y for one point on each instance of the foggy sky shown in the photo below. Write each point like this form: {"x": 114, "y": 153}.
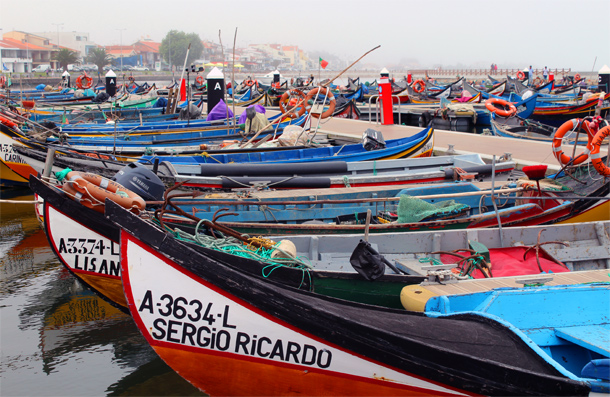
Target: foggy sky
{"x": 468, "y": 33}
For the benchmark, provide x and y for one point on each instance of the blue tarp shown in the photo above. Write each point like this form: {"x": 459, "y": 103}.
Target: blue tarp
{"x": 161, "y": 103}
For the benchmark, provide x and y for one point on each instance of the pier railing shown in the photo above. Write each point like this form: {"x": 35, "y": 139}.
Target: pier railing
{"x": 483, "y": 72}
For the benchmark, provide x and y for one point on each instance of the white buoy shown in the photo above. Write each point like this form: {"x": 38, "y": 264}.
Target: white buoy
{"x": 288, "y": 250}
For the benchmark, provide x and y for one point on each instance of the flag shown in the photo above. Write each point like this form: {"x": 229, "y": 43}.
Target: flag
{"x": 323, "y": 63}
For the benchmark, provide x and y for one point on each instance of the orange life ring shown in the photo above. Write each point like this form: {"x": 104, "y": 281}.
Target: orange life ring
{"x": 199, "y": 80}
{"x": 521, "y": 75}
{"x": 88, "y": 83}
{"x": 321, "y": 91}
{"x": 288, "y": 101}
{"x": 491, "y": 103}
{"x": 596, "y": 157}
{"x": 92, "y": 190}
{"x": 576, "y": 77}
{"x": 419, "y": 86}
{"x": 569, "y": 125}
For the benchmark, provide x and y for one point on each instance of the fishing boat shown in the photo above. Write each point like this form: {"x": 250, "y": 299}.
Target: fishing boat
{"x": 419, "y": 144}
{"x": 558, "y": 113}
{"x": 527, "y": 129}
{"x": 267, "y": 331}
{"x": 69, "y": 224}
{"x": 334, "y": 174}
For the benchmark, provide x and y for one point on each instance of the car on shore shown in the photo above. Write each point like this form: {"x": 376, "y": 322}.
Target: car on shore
{"x": 140, "y": 69}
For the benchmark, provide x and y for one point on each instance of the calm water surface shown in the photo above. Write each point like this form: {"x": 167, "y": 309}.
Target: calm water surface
{"x": 59, "y": 339}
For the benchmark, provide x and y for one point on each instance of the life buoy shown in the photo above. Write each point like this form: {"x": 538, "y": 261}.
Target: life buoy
{"x": 521, "y": 75}
{"x": 92, "y": 190}
{"x": 507, "y": 109}
{"x": 596, "y": 156}
{"x": 419, "y": 86}
{"x": 87, "y": 83}
{"x": 250, "y": 83}
{"x": 199, "y": 80}
{"x": 569, "y": 125}
{"x": 289, "y": 99}
{"x": 577, "y": 76}
{"x": 321, "y": 91}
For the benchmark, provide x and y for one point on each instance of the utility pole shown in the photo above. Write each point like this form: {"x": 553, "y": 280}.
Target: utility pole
{"x": 121, "y": 43}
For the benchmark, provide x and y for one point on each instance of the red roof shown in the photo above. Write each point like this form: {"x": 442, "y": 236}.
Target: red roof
{"x": 12, "y": 43}
{"x": 147, "y": 46}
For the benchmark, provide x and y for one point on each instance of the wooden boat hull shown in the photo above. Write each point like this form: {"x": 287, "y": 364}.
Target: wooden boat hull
{"x": 381, "y": 351}
{"x": 395, "y": 149}
{"x": 15, "y": 170}
{"x": 88, "y": 248}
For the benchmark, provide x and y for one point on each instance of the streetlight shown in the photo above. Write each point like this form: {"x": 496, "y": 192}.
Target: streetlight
{"x": 121, "y": 32}
{"x": 58, "y": 25}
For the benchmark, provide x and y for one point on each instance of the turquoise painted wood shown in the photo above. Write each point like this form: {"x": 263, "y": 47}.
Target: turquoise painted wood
{"x": 568, "y": 325}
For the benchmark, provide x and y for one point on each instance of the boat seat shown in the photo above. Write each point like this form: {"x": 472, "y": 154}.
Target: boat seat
{"x": 414, "y": 297}
{"x": 592, "y": 337}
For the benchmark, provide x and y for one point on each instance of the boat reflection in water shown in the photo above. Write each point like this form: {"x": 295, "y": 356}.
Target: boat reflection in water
{"x": 59, "y": 338}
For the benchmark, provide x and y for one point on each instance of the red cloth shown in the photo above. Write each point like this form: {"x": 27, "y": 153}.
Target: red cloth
{"x": 509, "y": 262}
{"x": 182, "y": 90}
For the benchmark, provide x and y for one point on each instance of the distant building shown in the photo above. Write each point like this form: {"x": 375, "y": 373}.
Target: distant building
{"x": 149, "y": 52}
{"x": 20, "y": 52}
{"x": 77, "y": 41}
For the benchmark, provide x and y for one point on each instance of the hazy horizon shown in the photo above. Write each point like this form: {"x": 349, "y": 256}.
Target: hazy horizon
{"x": 467, "y": 34}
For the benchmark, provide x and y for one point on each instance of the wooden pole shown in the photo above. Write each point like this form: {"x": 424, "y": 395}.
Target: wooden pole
{"x": 181, "y": 77}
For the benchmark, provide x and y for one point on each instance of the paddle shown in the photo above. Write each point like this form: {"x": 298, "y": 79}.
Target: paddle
{"x": 369, "y": 263}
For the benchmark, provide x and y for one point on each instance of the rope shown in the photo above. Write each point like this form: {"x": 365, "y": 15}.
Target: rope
{"x": 206, "y": 154}
{"x": 346, "y": 181}
{"x": 235, "y": 247}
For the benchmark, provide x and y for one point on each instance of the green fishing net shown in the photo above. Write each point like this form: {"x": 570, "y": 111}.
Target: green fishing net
{"x": 411, "y": 209}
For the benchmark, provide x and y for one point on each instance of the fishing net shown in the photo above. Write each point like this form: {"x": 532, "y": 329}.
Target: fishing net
{"x": 268, "y": 255}
{"x": 411, "y": 209}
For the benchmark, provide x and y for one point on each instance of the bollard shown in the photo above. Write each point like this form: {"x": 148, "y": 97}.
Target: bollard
{"x": 385, "y": 96}
{"x": 110, "y": 83}
{"x": 216, "y": 87}
{"x": 603, "y": 79}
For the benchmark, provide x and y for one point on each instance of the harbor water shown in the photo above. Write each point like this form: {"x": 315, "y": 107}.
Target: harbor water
{"x": 57, "y": 337}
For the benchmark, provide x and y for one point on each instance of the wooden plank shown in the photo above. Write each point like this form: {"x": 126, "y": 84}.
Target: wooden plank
{"x": 488, "y": 284}
{"x": 593, "y": 337}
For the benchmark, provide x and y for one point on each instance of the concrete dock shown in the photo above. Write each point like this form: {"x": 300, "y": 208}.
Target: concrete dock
{"x": 523, "y": 152}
